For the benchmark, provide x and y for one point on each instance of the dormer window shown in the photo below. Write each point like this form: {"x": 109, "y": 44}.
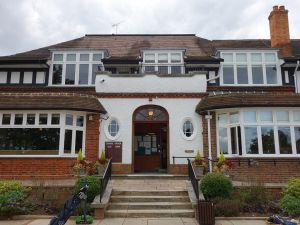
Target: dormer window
{"x": 163, "y": 61}
{"x": 250, "y": 68}
{"x": 75, "y": 68}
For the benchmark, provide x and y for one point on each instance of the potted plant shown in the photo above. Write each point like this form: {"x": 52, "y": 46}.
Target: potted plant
{"x": 223, "y": 165}
{"x": 101, "y": 163}
{"x": 81, "y": 166}
{"x": 199, "y": 165}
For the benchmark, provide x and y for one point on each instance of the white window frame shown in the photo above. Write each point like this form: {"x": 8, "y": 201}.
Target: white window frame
{"x": 258, "y": 124}
{"x": 195, "y": 131}
{"x": 249, "y": 64}
{"x": 62, "y": 127}
{"x": 169, "y": 64}
{"x": 106, "y": 129}
{"x": 91, "y": 62}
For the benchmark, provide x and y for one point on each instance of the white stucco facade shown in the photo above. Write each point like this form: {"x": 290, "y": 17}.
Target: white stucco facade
{"x": 150, "y": 83}
{"x": 178, "y": 109}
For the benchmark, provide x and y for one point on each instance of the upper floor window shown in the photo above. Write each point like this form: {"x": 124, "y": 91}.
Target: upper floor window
{"x": 75, "y": 68}
{"x": 250, "y": 68}
{"x": 25, "y": 76}
{"x": 164, "y": 62}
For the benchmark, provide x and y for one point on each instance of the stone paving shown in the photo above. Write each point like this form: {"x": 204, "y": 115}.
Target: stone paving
{"x": 138, "y": 221}
{"x": 149, "y": 184}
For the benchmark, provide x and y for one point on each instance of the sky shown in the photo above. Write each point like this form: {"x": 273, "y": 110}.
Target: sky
{"x": 31, "y": 24}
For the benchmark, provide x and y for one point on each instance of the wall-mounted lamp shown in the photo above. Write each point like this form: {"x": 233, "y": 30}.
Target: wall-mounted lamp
{"x": 150, "y": 113}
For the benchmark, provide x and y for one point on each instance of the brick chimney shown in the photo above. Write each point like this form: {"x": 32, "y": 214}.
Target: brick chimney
{"x": 279, "y": 30}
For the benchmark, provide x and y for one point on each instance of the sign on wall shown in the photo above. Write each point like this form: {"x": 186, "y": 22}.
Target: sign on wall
{"x": 113, "y": 150}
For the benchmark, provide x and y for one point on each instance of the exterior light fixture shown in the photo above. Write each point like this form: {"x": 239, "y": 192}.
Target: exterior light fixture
{"x": 150, "y": 113}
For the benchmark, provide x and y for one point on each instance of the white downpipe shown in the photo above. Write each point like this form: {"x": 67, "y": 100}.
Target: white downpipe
{"x": 295, "y": 77}
{"x": 209, "y": 117}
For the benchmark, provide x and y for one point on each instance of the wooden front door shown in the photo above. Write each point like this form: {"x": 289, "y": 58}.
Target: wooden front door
{"x": 150, "y": 138}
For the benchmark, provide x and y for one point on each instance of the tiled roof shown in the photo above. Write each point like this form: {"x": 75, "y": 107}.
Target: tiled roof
{"x": 123, "y": 46}
{"x": 50, "y": 101}
{"x": 248, "y": 100}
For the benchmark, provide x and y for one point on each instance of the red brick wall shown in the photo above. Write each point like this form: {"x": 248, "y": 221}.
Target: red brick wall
{"x": 268, "y": 170}
{"x": 51, "y": 168}
{"x": 36, "y": 168}
{"x": 92, "y": 137}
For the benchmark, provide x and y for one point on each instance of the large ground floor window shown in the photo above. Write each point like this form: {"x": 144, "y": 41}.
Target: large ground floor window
{"x": 59, "y": 133}
{"x": 259, "y": 132}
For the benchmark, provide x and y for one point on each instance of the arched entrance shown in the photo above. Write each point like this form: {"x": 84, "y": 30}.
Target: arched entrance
{"x": 150, "y": 139}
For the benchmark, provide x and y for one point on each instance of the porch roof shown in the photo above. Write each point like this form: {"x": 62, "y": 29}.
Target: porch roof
{"x": 50, "y": 101}
{"x": 240, "y": 100}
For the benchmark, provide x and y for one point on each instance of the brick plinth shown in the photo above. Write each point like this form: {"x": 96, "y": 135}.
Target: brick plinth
{"x": 178, "y": 169}
{"x": 36, "y": 168}
{"x": 121, "y": 168}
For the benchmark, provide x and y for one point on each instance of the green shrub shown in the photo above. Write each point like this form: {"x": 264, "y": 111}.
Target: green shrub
{"x": 293, "y": 188}
{"x": 227, "y": 207}
{"x": 94, "y": 186}
{"x": 214, "y": 185}
{"x": 12, "y": 198}
{"x": 290, "y": 204}
{"x": 255, "y": 194}
{"x": 290, "y": 201}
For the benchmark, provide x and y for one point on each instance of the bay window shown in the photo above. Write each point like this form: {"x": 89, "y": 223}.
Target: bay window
{"x": 259, "y": 132}
{"x": 41, "y": 133}
{"x": 75, "y": 68}
{"x": 250, "y": 68}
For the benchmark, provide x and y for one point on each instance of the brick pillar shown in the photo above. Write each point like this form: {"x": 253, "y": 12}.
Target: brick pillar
{"x": 279, "y": 30}
{"x": 92, "y": 137}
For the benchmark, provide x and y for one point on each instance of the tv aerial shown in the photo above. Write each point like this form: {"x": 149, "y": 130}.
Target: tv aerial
{"x": 116, "y": 25}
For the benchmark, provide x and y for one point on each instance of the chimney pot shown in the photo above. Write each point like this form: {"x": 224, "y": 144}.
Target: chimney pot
{"x": 275, "y": 7}
{"x": 282, "y": 7}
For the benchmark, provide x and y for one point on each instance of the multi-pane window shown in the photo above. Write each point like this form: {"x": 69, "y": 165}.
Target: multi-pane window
{"x": 250, "y": 68}
{"x": 163, "y": 62}
{"x": 41, "y": 133}
{"x": 75, "y": 68}
{"x": 259, "y": 132}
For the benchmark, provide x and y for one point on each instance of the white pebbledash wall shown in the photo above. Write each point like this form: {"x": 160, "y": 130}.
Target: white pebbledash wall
{"x": 179, "y": 109}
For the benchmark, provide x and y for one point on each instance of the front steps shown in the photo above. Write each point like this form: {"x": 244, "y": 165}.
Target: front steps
{"x": 149, "y": 203}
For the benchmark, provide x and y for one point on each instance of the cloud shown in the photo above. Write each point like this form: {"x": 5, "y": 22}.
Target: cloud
{"x": 30, "y": 24}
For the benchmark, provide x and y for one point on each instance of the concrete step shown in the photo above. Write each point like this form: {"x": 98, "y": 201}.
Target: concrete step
{"x": 149, "y": 205}
{"x": 116, "y": 192}
{"x": 142, "y": 176}
{"x": 151, "y": 213}
{"x": 157, "y": 198}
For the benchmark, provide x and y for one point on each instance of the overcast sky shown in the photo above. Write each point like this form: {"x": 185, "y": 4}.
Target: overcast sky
{"x": 30, "y": 24}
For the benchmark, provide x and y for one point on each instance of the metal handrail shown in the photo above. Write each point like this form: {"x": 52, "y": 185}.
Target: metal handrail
{"x": 105, "y": 178}
{"x": 193, "y": 179}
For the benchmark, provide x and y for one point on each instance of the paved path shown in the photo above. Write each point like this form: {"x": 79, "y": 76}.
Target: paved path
{"x": 149, "y": 184}
{"x": 138, "y": 221}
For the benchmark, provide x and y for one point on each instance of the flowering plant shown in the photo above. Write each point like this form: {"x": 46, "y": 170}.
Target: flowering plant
{"x": 198, "y": 161}
{"x": 100, "y": 164}
{"x": 223, "y": 165}
{"x": 81, "y": 166}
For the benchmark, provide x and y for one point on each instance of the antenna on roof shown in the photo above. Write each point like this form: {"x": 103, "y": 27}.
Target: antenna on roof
{"x": 116, "y": 25}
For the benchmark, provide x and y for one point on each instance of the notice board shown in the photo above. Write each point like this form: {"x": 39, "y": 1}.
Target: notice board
{"x": 113, "y": 149}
